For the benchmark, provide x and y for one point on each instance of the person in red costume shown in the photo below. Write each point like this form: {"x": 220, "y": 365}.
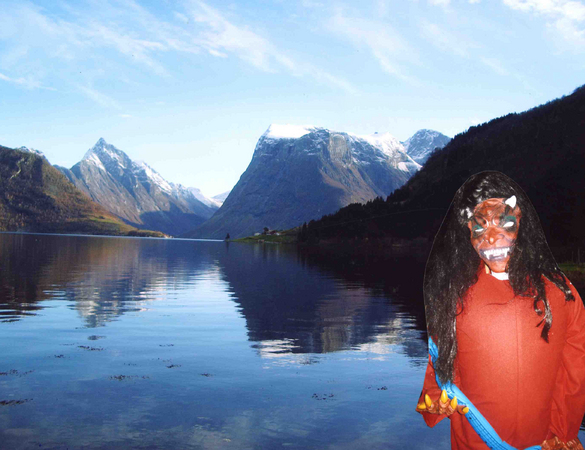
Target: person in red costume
{"x": 509, "y": 325}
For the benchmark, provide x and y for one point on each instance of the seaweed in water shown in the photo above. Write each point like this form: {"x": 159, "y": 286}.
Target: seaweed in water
{"x": 14, "y": 402}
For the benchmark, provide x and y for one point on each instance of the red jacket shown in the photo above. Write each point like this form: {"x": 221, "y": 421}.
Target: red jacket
{"x": 529, "y": 390}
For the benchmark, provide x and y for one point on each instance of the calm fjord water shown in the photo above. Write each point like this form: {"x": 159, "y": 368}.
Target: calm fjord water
{"x": 120, "y": 343}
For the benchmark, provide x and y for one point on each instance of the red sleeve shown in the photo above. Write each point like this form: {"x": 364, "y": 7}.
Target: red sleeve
{"x": 569, "y": 396}
{"x": 430, "y": 387}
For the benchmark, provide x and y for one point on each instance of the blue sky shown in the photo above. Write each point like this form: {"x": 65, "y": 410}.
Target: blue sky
{"x": 190, "y": 86}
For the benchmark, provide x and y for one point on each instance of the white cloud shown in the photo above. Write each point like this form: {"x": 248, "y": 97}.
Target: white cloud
{"x": 463, "y": 47}
{"x": 327, "y": 78}
{"x": 445, "y": 40}
{"x": 221, "y": 38}
{"x": 567, "y": 9}
{"x": 500, "y": 69}
{"x": 213, "y": 52}
{"x": 99, "y": 98}
{"x": 570, "y": 31}
{"x": 21, "y": 81}
{"x": 28, "y": 82}
{"x": 440, "y": 2}
{"x": 311, "y": 4}
{"x": 385, "y": 44}
{"x": 567, "y": 17}
{"x": 65, "y": 40}
{"x": 495, "y": 65}
{"x": 84, "y": 36}
{"x": 133, "y": 48}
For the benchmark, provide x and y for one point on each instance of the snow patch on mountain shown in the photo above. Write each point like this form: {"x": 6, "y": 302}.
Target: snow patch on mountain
{"x": 388, "y": 148}
{"x": 140, "y": 168}
{"x": 277, "y": 131}
{"x": 95, "y": 160}
{"x": 387, "y": 143}
{"x": 364, "y": 149}
{"x": 32, "y": 150}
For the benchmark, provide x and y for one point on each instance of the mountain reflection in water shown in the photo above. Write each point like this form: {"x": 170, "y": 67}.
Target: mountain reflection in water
{"x": 121, "y": 343}
{"x": 293, "y": 301}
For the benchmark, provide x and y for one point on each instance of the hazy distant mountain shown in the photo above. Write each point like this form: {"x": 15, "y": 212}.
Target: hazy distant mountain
{"x": 198, "y": 195}
{"x": 301, "y": 173}
{"x": 137, "y": 193}
{"x": 35, "y": 196}
{"x": 420, "y": 146}
{"x": 220, "y": 198}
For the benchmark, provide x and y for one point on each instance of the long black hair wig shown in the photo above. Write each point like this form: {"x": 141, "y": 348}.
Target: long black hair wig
{"x": 453, "y": 264}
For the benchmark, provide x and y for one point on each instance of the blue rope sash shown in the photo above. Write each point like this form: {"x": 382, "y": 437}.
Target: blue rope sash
{"x": 485, "y": 431}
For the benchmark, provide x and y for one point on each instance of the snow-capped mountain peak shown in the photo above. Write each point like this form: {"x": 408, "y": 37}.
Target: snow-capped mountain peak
{"x": 106, "y": 154}
{"x": 361, "y": 149}
{"x": 299, "y": 173}
{"x": 136, "y": 192}
{"x": 422, "y": 143}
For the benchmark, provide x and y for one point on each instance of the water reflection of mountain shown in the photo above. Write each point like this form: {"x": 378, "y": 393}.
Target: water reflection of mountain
{"x": 102, "y": 277}
{"x": 293, "y": 302}
{"x": 18, "y": 292}
{"x": 298, "y": 302}
{"x": 397, "y": 277}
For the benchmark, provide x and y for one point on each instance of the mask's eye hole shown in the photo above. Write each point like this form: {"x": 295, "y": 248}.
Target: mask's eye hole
{"x": 478, "y": 225}
{"x": 477, "y": 230}
{"x": 509, "y": 222}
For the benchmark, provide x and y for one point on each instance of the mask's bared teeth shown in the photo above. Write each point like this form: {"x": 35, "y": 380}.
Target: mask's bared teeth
{"x": 495, "y": 253}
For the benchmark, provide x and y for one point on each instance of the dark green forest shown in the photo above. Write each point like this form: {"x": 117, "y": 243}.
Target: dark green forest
{"x": 542, "y": 149}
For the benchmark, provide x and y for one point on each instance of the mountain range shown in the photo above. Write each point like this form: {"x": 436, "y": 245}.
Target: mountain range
{"x": 135, "y": 192}
{"x": 36, "y": 197}
{"x": 541, "y": 149}
{"x": 299, "y": 173}
{"x": 296, "y": 174}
